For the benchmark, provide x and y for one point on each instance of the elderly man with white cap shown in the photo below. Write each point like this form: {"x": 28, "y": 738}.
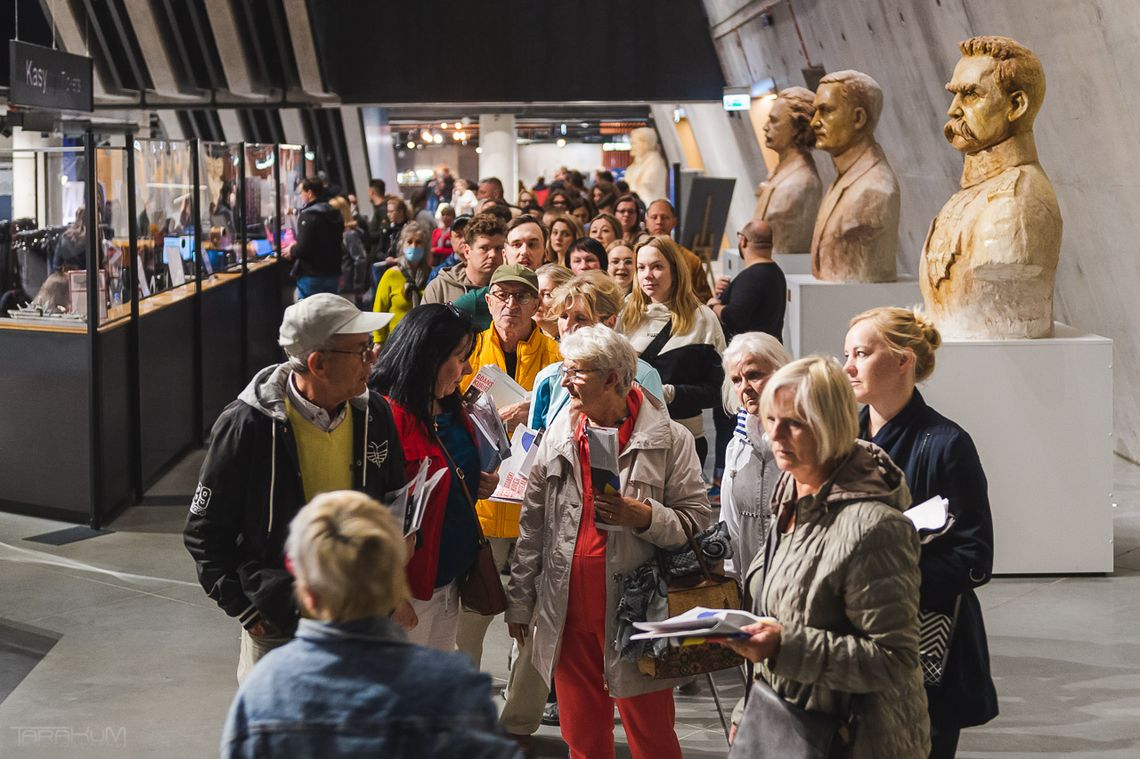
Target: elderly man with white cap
{"x": 304, "y": 427}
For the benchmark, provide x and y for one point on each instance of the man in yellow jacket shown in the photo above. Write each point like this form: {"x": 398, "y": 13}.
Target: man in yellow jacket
{"x": 516, "y": 345}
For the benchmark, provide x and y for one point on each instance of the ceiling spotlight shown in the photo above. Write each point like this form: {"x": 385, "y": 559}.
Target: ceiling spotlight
{"x": 562, "y": 129}
{"x": 443, "y": 125}
{"x": 457, "y": 125}
{"x": 437, "y": 138}
{"x": 478, "y": 150}
{"x": 585, "y": 125}
{"x": 561, "y": 142}
{"x": 426, "y": 135}
{"x": 411, "y": 145}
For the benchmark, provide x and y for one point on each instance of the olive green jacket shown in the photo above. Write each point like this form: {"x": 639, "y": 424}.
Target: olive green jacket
{"x": 844, "y": 587}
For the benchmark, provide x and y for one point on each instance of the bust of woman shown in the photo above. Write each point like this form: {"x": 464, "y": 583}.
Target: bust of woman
{"x": 789, "y": 199}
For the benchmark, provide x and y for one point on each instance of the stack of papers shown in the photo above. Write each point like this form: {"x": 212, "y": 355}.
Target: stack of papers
{"x": 515, "y": 471}
{"x": 931, "y": 518}
{"x": 604, "y": 474}
{"x": 491, "y": 434}
{"x": 493, "y": 381}
{"x": 409, "y": 503}
{"x": 699, "y": 625}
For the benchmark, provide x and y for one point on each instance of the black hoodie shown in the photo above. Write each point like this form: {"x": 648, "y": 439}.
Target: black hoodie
{"x": 320, "y": 241}
{"x": 250, "y": 489}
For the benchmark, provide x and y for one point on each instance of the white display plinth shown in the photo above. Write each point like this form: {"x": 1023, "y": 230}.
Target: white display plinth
{"x": 819, "y": 312}
{"x": 1040, "y": 414}
{"x": 793, "y": 263}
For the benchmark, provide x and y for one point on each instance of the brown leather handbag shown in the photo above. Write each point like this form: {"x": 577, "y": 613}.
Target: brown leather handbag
{"x": 704, "y": 588}
{"x": 481, "y": 589}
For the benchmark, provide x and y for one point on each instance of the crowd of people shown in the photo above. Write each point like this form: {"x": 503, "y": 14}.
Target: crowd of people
{"x": 584, "y": 298}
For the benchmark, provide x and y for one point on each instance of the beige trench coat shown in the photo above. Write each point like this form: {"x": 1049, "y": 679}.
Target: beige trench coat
{"x": 658, "y": 465}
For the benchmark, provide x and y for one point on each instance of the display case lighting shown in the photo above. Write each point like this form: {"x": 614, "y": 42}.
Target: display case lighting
{"x": 561, "y": 142}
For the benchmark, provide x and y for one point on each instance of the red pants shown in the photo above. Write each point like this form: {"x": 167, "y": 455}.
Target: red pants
{"x": 585, "y": 707}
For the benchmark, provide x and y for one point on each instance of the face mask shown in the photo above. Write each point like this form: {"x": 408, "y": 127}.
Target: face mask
{"x": 414, "y": 254}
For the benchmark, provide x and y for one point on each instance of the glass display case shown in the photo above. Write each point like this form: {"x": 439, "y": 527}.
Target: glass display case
{"x": 118, "y": 374}
{"x": 220, "y": 166}
{"x": 165, "y": 204}
{"x": 260, "y": 202}
{"x": 51, "y": 231}
{"x": 292, "y": 171}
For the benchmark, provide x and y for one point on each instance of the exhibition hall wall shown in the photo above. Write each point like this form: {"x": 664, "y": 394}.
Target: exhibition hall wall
{"x": 1086, "y": 130}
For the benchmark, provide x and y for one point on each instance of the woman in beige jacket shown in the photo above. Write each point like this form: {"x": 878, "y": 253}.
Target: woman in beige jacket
{"x": 578, "y": 536}
{"x": 843, "y": 579}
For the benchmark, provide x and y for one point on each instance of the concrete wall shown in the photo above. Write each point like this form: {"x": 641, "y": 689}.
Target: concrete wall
{"x": 1086, "y": 131}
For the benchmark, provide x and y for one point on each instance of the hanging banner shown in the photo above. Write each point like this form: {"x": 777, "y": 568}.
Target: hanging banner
{"x": 41, "y": 77}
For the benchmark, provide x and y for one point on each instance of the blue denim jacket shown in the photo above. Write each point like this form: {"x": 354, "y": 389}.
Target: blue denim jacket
{"x": 360, "y": 689}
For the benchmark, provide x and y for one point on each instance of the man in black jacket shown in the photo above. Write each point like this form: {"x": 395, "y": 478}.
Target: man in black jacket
{"x": 319, "y": 247}
{"x": 300, "y": 428}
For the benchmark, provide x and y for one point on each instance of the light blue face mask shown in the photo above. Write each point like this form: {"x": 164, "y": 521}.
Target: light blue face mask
{"x": 414, "y": 254}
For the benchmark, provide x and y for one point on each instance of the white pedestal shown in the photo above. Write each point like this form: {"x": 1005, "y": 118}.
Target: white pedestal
{"x": 818, "y": 312}
{"x": 793, "y": 263}
{"x": 1040, "y": 413}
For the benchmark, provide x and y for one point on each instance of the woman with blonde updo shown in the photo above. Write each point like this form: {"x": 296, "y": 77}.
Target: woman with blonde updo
{"x": 888, "y": 351}
{"x": 350, "y": 684}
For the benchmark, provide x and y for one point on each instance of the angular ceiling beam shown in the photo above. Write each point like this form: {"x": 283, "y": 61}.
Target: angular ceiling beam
{"x": 305, "y": 48}
{"x": 152, "y": 43}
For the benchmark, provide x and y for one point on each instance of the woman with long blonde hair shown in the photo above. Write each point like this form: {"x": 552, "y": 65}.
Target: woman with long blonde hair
{"x": 675, "y": 333}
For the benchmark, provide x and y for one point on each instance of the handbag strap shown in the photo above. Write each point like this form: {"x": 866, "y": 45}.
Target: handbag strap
{"x": 692, "y": 541}
{"x": 654, "y": 348}
{"x": 463, "y": 483}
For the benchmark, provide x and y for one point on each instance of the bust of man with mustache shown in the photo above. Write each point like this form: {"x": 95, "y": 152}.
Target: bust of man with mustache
{"x": 990, "y": 258}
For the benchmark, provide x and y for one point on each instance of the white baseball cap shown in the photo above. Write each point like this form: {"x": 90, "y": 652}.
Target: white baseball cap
{"x": 309, "y": 323}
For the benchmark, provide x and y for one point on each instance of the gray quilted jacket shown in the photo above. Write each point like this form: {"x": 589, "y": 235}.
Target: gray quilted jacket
{"x": 658, "y": 465}
{"x": 844, "y": 586}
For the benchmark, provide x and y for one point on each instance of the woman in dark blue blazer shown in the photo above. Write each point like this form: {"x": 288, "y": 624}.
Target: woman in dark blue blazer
{"x": 889, "y": 350}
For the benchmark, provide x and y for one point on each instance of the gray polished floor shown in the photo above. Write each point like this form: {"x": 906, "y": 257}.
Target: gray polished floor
{"x": 139, "y": 663}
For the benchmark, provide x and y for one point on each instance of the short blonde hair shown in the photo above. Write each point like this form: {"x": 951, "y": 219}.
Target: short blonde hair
{"x": 347, "y": 550}
{"x": 823, "y": 401}
{"x": 766, "y": 349}
{"x": 599, "y": 347}
{"x": 905, "y": 330}
{"x": 599, "y": 293}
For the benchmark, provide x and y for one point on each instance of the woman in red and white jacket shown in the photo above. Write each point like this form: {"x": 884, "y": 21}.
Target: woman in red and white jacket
{"x": 419, "y": 371}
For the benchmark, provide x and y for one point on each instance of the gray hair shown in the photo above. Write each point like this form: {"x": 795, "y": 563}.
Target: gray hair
{"x": 766, "y": 349}
{"x": 599, "y": 347}
{"x": 300, "y": 363}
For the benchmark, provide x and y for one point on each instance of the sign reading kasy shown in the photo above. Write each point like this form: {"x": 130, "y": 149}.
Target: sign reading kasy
{"x": 45, "y": 78}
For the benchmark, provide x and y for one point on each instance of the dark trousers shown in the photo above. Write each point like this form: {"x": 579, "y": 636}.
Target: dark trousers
{"x": 724, "y": 425}
{"x": 944, "y": 744}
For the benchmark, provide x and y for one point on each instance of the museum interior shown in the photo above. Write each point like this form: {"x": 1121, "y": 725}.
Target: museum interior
{"x": 792, "y": 207}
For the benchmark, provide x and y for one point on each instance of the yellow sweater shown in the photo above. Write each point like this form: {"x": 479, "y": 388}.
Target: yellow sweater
{"x": 325, "y": 457}
{"x": 501, "y": 520}
{"x": 391, "y": 299}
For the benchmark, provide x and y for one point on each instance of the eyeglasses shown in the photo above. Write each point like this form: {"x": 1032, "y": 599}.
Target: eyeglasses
{"x": 366, "y": 355}
{"x": 574, "y": 375}
{"x": 520, "y": 298}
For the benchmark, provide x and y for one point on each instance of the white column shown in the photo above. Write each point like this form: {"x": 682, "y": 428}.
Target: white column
{"x": 498, "y": 140}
